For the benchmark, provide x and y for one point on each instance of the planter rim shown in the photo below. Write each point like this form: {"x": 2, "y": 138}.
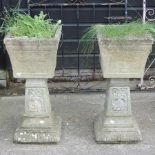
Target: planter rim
{"x": 128, "y": 38}
{"x": 146, "y": 36}
{"x": 26, "y": 38}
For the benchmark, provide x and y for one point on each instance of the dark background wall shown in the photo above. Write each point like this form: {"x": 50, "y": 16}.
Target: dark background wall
{"x": 76, "y": 17}
{"x": 2, "y": 55}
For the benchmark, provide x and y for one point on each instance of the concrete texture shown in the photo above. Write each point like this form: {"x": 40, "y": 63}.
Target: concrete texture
{"x": 40, "y": 124}
{"x": 78, "y": 112}
{"x": 33, "y": 57}
{"x": 116, "y": 123}
{"x": 125, "y": 57}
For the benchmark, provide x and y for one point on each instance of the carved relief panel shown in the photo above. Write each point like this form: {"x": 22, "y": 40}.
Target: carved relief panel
{"x": 119, "y": 101}
{"x": 35, "y": 100}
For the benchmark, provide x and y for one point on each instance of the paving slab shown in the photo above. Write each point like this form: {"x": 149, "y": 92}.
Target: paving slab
{"x": 78, "y": 112}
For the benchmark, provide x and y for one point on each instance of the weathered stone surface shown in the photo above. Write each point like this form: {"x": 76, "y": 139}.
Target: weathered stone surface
{"x": 37, "y": 100}
{"x": 39, "y": 124}
{"x": 39, "y": 132}
{"x": 35, "y": 60}
{"x": 116, "y": 124}
{"x": 33, "y": 57}
{"x": 120, "y": 59}
{"x": 116, "y": 130}
{"x": 124, "y": 58}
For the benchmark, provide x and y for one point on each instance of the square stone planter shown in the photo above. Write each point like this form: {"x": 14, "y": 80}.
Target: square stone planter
{"x": 124, "y": 58}
{"x": 120, "y": 60}
{"x": 33, "y": 57}
{"x": 35, "y": 60}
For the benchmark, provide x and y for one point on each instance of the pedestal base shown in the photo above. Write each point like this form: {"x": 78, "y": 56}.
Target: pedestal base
{"x": 39, "y": 124}
{"x": 42, "y": 134}
{"x": 116, "y": 124}
{"x": 116, "y": 133}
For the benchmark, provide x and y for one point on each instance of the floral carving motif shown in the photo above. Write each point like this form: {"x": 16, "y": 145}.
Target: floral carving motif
{"x": 35, "y": 100}
{"x": 120, "y": 99}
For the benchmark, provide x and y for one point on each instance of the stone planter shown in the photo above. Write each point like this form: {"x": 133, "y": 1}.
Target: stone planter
{"x": 35, "y": 60}
{"x": 120, "y": 60}
{"x": 124, "y": 58}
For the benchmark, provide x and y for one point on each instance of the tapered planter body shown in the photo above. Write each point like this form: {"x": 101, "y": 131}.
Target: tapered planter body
{"x": 33, "y": 57}
{"x": 35, "y": 60}
{"x": 120, "y": 60}
{"x": 124, "y": 58}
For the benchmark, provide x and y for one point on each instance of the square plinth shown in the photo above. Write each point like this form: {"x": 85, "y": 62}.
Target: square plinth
{"x": 30, "y": 135}
{"x": 116, "y": 133}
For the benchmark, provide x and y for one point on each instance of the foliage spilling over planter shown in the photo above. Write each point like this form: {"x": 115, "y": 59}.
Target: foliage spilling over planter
{"x": 117, "y": 32}
{"x": 22, "y": 24}
{"x": 32, "y": 44}
{"x": 33, "y": 57}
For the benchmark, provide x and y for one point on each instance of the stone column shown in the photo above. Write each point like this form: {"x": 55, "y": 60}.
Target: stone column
{"x": 116, "y": 124}
{"x": 40, "y": 124}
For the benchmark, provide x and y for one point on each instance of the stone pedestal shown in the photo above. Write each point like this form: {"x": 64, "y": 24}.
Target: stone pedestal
{"x": 40, "y": 124}
{"x": 116, "y": 124}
